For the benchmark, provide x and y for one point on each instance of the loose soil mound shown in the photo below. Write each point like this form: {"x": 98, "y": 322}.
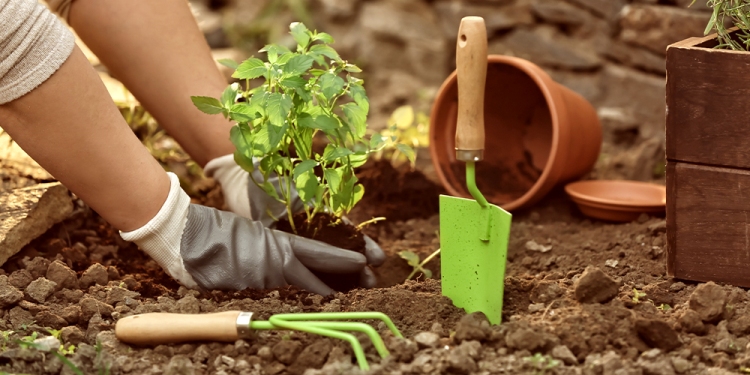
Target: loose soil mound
{"x": 581, "y": 297}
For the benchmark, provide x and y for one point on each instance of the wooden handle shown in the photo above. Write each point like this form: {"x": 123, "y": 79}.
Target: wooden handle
{"x": 165, "y": 328}
{"x": 471, "y": 72}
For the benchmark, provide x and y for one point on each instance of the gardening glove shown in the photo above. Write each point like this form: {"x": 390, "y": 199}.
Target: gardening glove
{"x": 246, "y": 199}
{"x": 202, "y": 247}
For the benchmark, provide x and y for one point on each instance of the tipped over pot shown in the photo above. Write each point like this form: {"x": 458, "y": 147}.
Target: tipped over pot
{"x": 538, "y": 134}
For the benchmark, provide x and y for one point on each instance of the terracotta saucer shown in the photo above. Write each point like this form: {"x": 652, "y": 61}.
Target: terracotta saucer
{"x": 617, "y": 200}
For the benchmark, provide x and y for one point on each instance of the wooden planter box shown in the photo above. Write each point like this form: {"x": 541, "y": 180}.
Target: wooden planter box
{"x": 708, "y": 162}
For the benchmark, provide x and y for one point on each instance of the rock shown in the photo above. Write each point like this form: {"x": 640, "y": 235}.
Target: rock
{"x": 286, "y": 351}
{"x": 37, "y": 267}
{"x": 20, "y": 279}
{"x": 545, "y": 46}
{"x": 61, "y": 274}
{"x": 71, "y": 335}
{"x": 338, "y": 9}
{"x": 118, "y": 294}
{"x": 47, "y": 343}
{"x": 595, "y": 286}
{"x": 534, "y": 246}
{"x": 606, "y": 8}
{"x": 708, "y": 300}
{"x": 740, "y": 326}
{"x": 586, "y": 84}
{"x": 536, "y": 307}
{"x": 48, "y": 319}
{"x": 611, "y": 363}
{"x": 546, "y": 291}
{"x": 524, "y": 338}
{"x": 27, "y": 213}
{"x": 427, "y": 339}
{"x": 460, "y": 363}
{"x": 91, "y": 307}
{"x": 41, "y": 288}
{"x": 71, "y": 314}
{"x": 655, "y": 26}
{"x": 473, "y": 326}
{"x": 96, "y": 325}
{"x": 637, "y": 94}
{"x": 96, "y": 274}
{"x": 496, "y": 18}
{"x": 728, "y": 346}
{"x": 657, "y": 333}
{"x": 636, "y": 57}
{"x": 564, "y": 354}
{"x": 680, "y": 365}
{"x": 559, "y": 12}
{"x": 313, "y": 356}
{"x": 676, "y": 287}
{"x": 9, "y": 294}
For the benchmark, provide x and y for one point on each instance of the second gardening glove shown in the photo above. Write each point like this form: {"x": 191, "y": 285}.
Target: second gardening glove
{"x": 246, "y": 199}
{"x": 212, "y": 249}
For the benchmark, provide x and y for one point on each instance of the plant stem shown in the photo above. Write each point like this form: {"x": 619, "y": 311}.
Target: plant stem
{"x": 422, "y": 264}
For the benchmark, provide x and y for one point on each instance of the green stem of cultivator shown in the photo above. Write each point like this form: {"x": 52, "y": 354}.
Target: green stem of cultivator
{"x": 323, "y": 326}
{"x": 484, "y": 233}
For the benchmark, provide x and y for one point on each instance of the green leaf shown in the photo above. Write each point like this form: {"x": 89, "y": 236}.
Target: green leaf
{"x": 357, "y": 193}
{"x": 324, "y": 37}
{"x": 250, "y": 69}
{"x": 304, "y": 167}
{"x": 229, "y": 63}
{"x": 300, "y": 33}
{"x": 242, "y": 138}
{"x": 411, "y": 258}
{"x": 331, "y": 85}
{"x": 322, "y": 122}
{"x": 408, "y": 151}
{"x": 293, "y": 82}
{"x": 352, "y": 68}
{"x": 207, "y": 104}
{"x": 376, "y": 141}
{"x": 242, "y": 112}
{"x": 307, "y": 185}
{"x": 230, "y": 94}
{"x": 269, "y": 189}
{"x": 402, "y": 117}
{"x": 357, "y": 117}
{"x": 243, "y": 161}
{"x": 324, "y": 50}
{"x": 279, "y": 106}
{"x": 317, "y": 72}
{"x": 273, "y": 51}
{"x": 333, "y": 179}
{"x": 357, "y": 92}
{"x": 358, "y": 159}
{"x": 298, "y": 65}
{"x": 332, "y": 152}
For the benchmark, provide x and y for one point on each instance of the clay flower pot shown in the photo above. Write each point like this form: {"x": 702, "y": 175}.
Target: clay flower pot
{"x": 538, "y": 134}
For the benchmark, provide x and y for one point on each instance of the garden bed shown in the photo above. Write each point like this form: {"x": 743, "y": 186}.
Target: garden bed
{"x": 633, "y": 319}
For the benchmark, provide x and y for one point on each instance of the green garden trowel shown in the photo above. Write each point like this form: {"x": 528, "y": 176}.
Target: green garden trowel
{"x": 473, "y": 233}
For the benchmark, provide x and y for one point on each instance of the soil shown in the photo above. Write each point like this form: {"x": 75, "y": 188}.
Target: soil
{"x": 327, "y": 228}
{"x": 581, "y": 297}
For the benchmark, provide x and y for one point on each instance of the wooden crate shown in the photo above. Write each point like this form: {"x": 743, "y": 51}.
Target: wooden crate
{"x": 708, "y": 162}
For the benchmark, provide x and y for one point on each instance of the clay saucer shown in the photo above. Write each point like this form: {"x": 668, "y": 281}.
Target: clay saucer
{"x": 616, "y": 200}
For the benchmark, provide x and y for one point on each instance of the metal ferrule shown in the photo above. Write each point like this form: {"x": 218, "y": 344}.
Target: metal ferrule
{"x": 469, "y": 155}
{"x": 243, "y": 325}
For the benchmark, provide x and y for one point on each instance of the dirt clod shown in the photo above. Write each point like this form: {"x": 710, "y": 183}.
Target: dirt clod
{"x": 91, "y": 306}
{"x": 462, "y": 359}
{"x": 71, "y": 314}
{"x": 41, "y": 288}
{"x": 286, "y": 351}
{"x": 48, "y": 319}
{"x": 71, "y": 335}
{"x": 657, "y": 333}
{"x": 9, "y": 294}
{"x": 312, "y": 357}
{"x": 473, "y": 326}
{"x": 691, "y": 322}
{"x": 37, "y": 266}
{"x": 524, "y": 338}
{"x": 546, "y": 291}
{"x": 20, "y": 279}
{"x": 96, "y": 274}
{"x": 708, "y": 301}
{"x": 61, "y": 274}
{"x": 595, "y": 286}
{"x": 564, "y": 354}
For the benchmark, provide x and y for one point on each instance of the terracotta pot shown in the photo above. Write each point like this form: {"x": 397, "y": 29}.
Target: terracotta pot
{"x": 538, "y": 134}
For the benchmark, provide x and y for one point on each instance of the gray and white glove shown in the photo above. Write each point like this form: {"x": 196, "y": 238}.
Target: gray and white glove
{"x": 212, "y": 249}
{"x": 246, "y": 199}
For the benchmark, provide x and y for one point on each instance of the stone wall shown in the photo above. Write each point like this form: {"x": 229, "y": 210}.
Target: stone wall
{"x": 610, "y": 51}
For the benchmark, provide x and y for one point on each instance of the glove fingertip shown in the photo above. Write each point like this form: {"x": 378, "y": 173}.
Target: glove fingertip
{"x": 373, "y": 252}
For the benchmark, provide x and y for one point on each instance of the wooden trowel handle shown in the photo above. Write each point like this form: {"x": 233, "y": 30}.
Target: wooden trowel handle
{"x": 471, "y": 72}
{"x": 165, "y": 328}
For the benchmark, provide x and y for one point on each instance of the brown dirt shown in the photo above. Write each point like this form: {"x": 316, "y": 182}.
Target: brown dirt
{"x": 327, "y": 228}
{"x": 506, "y": 182}
{"x": 644, "y": 323}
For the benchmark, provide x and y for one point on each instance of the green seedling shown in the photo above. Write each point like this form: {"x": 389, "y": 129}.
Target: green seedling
{"x": 637, "y": 295}
{"x": 736, "y": 13}
{"x": 542, "y": 363}
{"x": 301, "y": 94}
{"x": 413, "y": 260}
{"x": 664, "y": 307}
{"x": 101, "y": 367}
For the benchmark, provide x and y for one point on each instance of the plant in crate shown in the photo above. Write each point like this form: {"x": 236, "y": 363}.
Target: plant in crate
{"x": 302, "y": 93}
